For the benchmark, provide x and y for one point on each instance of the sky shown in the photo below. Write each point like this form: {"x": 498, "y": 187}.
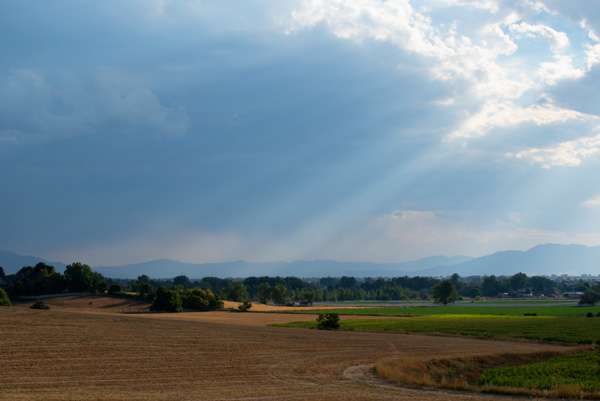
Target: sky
{"x": 364, "y": 130}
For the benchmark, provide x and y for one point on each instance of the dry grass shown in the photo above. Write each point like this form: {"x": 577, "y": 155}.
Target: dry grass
{"x": 463, "y": 373}
{"x": 88, "y": 353}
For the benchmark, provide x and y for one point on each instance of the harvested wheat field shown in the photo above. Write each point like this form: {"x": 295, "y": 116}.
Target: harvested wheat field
{"x": 67, "y": 355}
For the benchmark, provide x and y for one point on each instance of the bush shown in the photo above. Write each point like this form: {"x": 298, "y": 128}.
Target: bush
{"x": 201, "y": 300}
{"x": 4, "y": 301}
{"x": 328, "y": 321}
{"x": 590, "y": 297}
{"x": 39, "y": 304}
{"x": 244, "y": 306}
{"x": 145, "y": 290}
{"x": 115, "y": 289}
{"x": 166, "y": 300}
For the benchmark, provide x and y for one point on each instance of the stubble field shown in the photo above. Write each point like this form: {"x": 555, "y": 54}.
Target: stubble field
{"x": 96, "y": 354}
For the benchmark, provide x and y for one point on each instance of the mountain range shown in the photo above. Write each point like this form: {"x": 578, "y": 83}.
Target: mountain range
{"x": 548, "y": 259}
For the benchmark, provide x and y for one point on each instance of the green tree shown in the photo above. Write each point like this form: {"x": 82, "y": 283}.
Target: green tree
{"x": 182, "y": 281}
{"x": 346, "y": 282}
{"x": 99, "y": 285}
{"x": 202, "y": 300}
{"x": 518, "y": 282}
{"x": 145, "y": 290}
{"x": 166, "y": 300}
{"x": 279, "y": 293}
{"x": 590, "y": 297}
{"x": 444, "y": 292}
{"x": 490, "y": 286}
{"x": 309, "y": 296}
{"x": 79, "y": 277}
{"x": 264, "y": 292}
{"x": 235, "y": 291}
{"x": 115, "y": 289}
{"x": 328, "y": 321}
{"x": 4, "y": 301}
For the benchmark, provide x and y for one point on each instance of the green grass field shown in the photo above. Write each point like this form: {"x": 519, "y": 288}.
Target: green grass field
{"x": 581, "y": 371}
{"x": 579, "y": 330}
{"x": 476, "y": 309}
{"x": 565, "y": 324}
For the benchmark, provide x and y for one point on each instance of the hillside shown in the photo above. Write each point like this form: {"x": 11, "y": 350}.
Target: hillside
{"x": 545, "y": 259}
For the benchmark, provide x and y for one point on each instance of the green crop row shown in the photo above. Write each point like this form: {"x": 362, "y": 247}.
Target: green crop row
{"x": 581, "y": 371}
{"x": 475, "y": 309}
{"x": 580, "y": 330}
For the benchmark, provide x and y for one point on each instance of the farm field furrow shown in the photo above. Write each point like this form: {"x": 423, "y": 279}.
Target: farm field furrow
{"x": 56, "y": 355}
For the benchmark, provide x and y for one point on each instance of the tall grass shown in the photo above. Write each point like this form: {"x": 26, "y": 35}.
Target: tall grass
{"x": 468, "y": 374}
{"x": 581, "y": 372}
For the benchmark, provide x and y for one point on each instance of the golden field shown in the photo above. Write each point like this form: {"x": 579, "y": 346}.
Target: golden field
{"x": 85, "y": 348}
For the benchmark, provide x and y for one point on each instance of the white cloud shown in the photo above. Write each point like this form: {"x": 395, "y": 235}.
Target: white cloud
{"x": 592, "y": 55}
{"x": 480, "y": 61}
{"x": 592, "y": 51}
{"x": 558, "y": 40}
{"x": 594, "y": 202}
{"x": 505, "y": 114}
{"x": 570, "y": 153}
{"x": 445, "y": 102}
{"x": 395, "y": 22}
{"x": 491, "y": 5}
{"x": 562, "y": 68}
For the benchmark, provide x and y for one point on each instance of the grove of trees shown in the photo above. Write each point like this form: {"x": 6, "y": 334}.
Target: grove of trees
{"x": 205, "y": 294}
{"x": 44, "y": 279}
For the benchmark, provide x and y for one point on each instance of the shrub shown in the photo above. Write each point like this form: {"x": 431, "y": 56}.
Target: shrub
{"x": 328, "y": 321}
{"x": 145, "y": 290}
{"x": 244, "y": 306}
{"x": 115, "y": 289}
{"x": 166, "y": 300}
{"x": 4, "y": 301}
{"x": 39, "y": 304}
{"x": 202, "y": 300}
{"x": 590, "y": 297}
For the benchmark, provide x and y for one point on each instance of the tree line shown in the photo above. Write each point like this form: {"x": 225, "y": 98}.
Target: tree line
{"x": 206, "y": 293}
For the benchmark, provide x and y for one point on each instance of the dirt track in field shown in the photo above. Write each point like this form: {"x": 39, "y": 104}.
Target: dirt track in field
{"x": 60, "y": 354}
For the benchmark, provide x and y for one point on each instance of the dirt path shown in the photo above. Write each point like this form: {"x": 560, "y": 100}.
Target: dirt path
{"x": 58, "y": 355}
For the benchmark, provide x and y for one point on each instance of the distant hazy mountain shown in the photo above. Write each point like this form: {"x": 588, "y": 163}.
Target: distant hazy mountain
{"x": 12, "y": 262}
{"x": 545, "y": 259}
{"x": 165, "y": 268}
